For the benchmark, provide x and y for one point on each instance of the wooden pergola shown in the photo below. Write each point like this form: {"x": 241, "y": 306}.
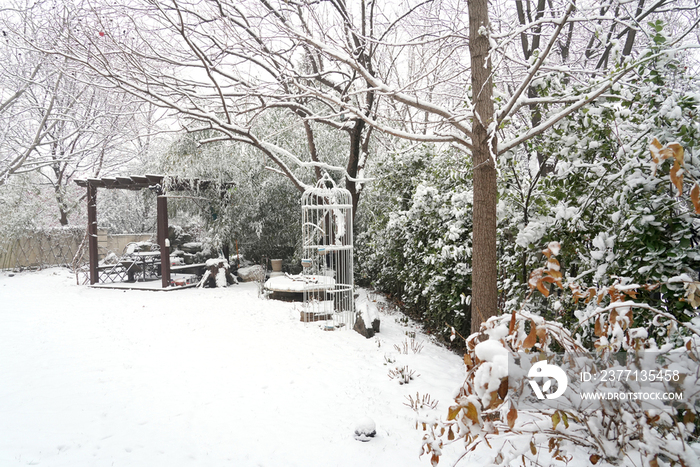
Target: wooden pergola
{"x": 135, "y": 183}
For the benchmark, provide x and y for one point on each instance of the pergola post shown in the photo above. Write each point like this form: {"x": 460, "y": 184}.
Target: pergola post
{"x": 162, "y": 234}
{"x": 92, "y": 232}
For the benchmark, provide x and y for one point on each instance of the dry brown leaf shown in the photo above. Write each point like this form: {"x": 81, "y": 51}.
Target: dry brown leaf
{"x": 678, "y": 153}
{"x": 677, "y": 179}
{"x": 591, "y": 293}
{"x": 688, "y": 417}
{"x": 531, "y": 339}
{"x": 553, "y": 264}
{"x": 613, "y": 316}
{"x": 512, "y": 416}
{"x": 631, "y": 293}
{"x": 666, "y": 153}
{"x": 535, "y": 277}
{"x": 503, "y": 388}
{"x": 556, "y": 418}
{"x": 695, "y": 197}
{"x": 511, "y": 327}
{"x": 601, "y": 296}
{"x": 542, "y": 334}
{"x": 495, "y": 400}
{"x": 555, "y": 275}
{"x": 692, "y": 294}
{"x": 615, "y": 295}
{"x": 598, "y": 329}
{"x": 453, "y": 411}
{"x": 472, "y": 413}
{"x": 655, "y": 147}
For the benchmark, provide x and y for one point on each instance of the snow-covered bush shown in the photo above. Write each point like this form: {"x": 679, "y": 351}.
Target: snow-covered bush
{"x": 259, "y": 213}
{"x": 419, "y": 246}
{"x": 616, "y": 211}
{"x": 492, "y": 415}
{"x": 590, "y": 182}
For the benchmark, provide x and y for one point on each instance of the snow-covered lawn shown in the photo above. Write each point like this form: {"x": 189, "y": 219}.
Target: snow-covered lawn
{"x": 201, "y": 377}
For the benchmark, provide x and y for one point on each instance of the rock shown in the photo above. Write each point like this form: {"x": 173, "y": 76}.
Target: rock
{"x": 251, "y": 273}
{"x": 361, "y": 328}
{"x": 178, "y": 236}
{"x": 375, "y": 325}
{"x": 365, "y": 430}
{"x": 191, "y": 247}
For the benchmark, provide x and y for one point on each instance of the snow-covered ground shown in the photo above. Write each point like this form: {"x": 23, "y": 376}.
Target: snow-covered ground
{"x": 201, "y": 377}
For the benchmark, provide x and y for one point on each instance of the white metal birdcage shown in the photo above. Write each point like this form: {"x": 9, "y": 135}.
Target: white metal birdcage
{"x": 327, "y": 255}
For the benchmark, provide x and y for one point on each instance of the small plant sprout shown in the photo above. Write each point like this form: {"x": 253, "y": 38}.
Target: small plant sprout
{"x": 416, "y": 347}
{"x": 412, "y": 345}
{"x": 403, "y": 375}
{"x": 403, "y": 348}
{"x": 423, "y": 406}
{"x": 421, "y": 402}
{"x": 403, "y": 320}
{"x": 389, "y": 360}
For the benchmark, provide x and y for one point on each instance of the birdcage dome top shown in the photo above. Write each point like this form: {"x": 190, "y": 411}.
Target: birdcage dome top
{"x": 326, "y": 192}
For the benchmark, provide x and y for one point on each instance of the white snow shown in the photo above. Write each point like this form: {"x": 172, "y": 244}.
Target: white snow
{"x": 299, "y": 283}
{"x": 365, "y": 430}
{"x": 491, "y": 351}
{"x": 200, "y": 377}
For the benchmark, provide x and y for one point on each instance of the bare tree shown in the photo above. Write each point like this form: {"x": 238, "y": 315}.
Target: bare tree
{"x": 59, "y": 121}
{"x": 21, "y": 132}
{"x": 221, "y": 69}
{"x": 93, "y": 134}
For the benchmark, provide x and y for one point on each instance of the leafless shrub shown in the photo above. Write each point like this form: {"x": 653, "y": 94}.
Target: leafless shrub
{"x": 403, "y": 375}
{"x": 409, "y": 344}
{"x": 421, "y": 402}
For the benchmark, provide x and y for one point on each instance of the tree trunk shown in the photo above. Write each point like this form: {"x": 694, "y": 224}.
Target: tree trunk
{"x": 354, "y": 161}
{"x": 484, "y": 258}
